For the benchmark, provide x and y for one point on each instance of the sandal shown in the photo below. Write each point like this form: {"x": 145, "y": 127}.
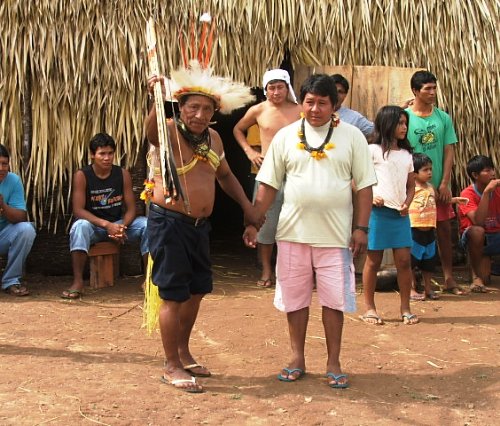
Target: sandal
{"x": 17, "y": 290}
{"x": 454, "y": 290}
{"x": 265, "y": 283}
{"x": 432, "y": 295}
{"x": 409, "y": 319}
{"x": 71, "y": 294}
{"x": 478, "y": 288}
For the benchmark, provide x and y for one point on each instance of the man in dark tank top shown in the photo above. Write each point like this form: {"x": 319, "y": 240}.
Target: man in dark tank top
{"x": 104, "y": 206}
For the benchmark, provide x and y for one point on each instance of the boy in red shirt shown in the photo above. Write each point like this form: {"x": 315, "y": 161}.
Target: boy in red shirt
{"x": 480, "y": 219}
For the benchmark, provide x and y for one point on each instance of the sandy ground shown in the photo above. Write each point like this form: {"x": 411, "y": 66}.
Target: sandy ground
{"x": 89, "y": 362}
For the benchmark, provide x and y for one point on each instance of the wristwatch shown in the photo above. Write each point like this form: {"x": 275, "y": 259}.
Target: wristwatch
{"x": 362, "y": 228}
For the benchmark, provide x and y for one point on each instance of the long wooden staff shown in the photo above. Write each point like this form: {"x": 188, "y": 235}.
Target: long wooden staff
{"x": 172, "y": 189}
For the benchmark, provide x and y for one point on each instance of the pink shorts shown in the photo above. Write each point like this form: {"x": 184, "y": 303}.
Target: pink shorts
{"x": 297, "y": 267}
{"x": 444, "y": 211}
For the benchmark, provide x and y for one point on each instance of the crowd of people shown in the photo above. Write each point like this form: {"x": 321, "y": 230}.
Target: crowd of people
{"x": 323, "y": 195}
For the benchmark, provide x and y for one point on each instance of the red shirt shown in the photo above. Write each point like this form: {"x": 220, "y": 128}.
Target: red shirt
{"x": 492, "y": 221}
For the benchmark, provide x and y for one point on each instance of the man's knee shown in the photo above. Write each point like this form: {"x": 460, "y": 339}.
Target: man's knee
{"x": 82, "y": 230}
{"x": 25, "y": 232}
{"x": 475, "y": 237}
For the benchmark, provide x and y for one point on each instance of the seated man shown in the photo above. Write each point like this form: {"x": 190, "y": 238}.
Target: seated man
{"x": 349, "y": 115}
{"x": 16, "y": 234}
{"x": 480, "y": 219}
{"x": 103, "y": 203}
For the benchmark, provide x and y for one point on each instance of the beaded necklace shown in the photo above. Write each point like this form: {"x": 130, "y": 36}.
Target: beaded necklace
{"x": 319, "y": 152}
{"x": 200, "y": 144}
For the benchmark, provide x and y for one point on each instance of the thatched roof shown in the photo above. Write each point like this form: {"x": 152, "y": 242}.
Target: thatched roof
{"x": 86, "y": 60}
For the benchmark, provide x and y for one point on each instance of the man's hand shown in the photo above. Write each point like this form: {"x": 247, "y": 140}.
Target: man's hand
{"x": 378, "y": 201}
{"x": 116, "y": 231}
{"x": 250, "y": 236}
{"x": 255, "y": 157}
{"x": 407, "y": 103}
{"x": 403, "y": 210}
{"x": 492, "y": 185}
{"x": 152, "y": 79}
{"x": 444, "y": 194}
{"x": 253, "y": 217}
{"x": 358, "y": 243}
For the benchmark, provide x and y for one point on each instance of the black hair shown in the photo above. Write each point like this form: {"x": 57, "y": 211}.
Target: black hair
{"x": 101, "y": 140}
{"x": 320, "y": 85}
{"x": 340, "y": 79}
{"x": 477, "y": 164}
{"x": 4, "y": 152}
{"x": 420, "y": 160}
{"x": 420, "y": 78}
{"x": 386, "y": 121}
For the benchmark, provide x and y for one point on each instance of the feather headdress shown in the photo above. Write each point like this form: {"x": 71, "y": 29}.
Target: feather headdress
{"x": 196, "y": 78}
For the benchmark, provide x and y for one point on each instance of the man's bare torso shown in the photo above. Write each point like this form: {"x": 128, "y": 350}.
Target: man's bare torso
{"x": 271, "y": 118}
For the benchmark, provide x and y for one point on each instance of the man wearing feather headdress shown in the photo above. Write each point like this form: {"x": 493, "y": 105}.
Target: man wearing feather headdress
{"x": 178, "y": 231}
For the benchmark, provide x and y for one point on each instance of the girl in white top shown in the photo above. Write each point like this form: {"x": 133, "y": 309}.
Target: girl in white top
{"x": 389, "y": 225}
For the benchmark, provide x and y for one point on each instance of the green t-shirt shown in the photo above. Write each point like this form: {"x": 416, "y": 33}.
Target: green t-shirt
{"x": 429, "y": 135}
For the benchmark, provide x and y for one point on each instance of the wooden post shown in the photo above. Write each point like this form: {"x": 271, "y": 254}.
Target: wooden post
{"x": 104, "y": 264}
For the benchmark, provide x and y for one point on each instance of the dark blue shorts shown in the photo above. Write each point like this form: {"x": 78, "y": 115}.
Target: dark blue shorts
{"x": 423, "y": 250}
{"x": 181, "y": 255}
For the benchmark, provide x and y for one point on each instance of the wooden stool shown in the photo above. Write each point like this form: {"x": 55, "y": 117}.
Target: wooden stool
{"x": 104, "y": 264}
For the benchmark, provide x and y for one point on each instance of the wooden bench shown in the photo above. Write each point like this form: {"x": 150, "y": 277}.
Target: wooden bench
{"x": 104, "y": 264}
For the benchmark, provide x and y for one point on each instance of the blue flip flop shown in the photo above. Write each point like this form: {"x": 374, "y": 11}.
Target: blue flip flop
{"x": 337, "y": 385}
{"x": 290, "y": 371}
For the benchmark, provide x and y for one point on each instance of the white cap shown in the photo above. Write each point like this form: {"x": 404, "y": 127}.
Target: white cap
{"x": 279, "y": 74}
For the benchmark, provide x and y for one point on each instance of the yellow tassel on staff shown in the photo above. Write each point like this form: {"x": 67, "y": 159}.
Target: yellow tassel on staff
{"x": 152, "y": 302}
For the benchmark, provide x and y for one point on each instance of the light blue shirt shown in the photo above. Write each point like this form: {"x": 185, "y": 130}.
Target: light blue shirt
{"x": 356, "y": 119}
{"x": 12, "y": 192}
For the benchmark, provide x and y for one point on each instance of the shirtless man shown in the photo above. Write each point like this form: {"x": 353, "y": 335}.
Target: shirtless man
{"x": 178, "y": 234}
{"x": 279, "y": 110}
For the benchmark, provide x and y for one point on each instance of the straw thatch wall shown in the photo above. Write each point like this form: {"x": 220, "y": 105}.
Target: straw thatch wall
{"x": 87, "y": 67}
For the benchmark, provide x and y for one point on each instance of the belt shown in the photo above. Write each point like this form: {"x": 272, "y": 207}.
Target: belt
{"x": 179, "y": 216}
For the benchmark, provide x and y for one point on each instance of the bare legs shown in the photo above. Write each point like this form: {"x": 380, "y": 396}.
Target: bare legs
{"x": 443, "y": 231}
{"x": 176, "y": 323}
{"x": 402, "y": 261}
{"x": 333, "y": 322}
{"x": 265, "y": 255}
{"x": 78, "y": 260}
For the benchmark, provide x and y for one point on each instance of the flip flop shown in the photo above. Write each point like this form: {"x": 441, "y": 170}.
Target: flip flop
{"x": 365, "y": 318}
{"x": 478, "y": 288}
{"x": 17, "y": 290}
{"x": 432, "y": 295}
{"x": 290, "y": 371}
{"x": 265, "y": 283}
{"x": 453, "y": 290}
{"x": 177, "y": 383}
{"x": 71, "y": 294}
{"x": 408, "y": 319}
{"x": 189, "y": 368}
{"x": 417, "y": 297}
{"x": 336, "y": 384}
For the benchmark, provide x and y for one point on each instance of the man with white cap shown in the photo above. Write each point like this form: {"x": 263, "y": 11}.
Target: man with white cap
{"x": 279, "y": 110}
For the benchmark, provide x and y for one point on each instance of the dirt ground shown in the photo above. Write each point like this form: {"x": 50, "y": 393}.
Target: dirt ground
{"x": 89, "y": 362}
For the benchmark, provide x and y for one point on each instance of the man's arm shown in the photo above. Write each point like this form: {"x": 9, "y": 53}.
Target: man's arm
{"x": 239, "y": 132}
{"x": 128, "y": 199}
{"x": 444, "y": 193}
{"x": 12, "y": 214}
{"x": 363, "y": 203}
{"x": 479, "y": 215}
{"x": 232, "y": 187}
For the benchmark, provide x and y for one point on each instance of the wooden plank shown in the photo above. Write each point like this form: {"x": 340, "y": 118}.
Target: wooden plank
{"x": 399, "y": 89}
{"x": 369, "y": 90}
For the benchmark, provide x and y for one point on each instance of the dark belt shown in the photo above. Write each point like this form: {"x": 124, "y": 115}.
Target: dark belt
{"x": 179, "y": 216}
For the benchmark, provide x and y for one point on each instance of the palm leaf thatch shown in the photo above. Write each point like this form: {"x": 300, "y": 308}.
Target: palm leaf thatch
{"x": 86, "y": 59}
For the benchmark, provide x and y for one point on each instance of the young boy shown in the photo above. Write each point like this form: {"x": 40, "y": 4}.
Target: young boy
{"x": 480, "y": 219}
{"x": 423, "y": 215}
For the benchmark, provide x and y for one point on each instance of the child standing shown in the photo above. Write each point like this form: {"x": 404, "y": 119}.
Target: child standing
{"x": 423, "y": 214}
{"x": 389, "y": 225}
